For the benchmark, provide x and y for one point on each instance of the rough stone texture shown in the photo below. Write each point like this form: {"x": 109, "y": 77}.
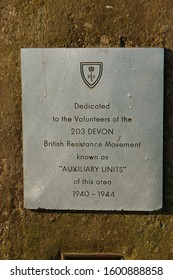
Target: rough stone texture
{"x": 28, "y": 234}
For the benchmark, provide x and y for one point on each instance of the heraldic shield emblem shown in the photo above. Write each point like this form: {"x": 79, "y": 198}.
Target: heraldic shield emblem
{"x": 91, "y": 72}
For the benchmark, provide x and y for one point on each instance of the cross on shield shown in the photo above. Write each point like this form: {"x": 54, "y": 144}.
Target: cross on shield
{"x": 91, "y": 72}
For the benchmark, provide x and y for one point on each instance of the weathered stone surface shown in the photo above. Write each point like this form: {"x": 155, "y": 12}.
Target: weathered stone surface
{"x": 28, "y": 234}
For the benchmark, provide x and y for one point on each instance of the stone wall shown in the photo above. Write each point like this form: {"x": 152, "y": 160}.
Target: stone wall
{"x": 28, "y": 234}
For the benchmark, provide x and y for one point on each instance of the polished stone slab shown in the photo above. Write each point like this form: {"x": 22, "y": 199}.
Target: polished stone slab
{"x": 93, "y": 128}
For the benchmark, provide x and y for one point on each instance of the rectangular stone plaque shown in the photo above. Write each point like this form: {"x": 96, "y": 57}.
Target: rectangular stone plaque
{"x": 92, "y": 128}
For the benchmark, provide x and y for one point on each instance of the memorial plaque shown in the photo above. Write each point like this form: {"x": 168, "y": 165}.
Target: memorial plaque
{"x": 92, "y": 128}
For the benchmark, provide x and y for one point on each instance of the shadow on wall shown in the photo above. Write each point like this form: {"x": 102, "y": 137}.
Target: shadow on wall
{"x": 168, "y": 134}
